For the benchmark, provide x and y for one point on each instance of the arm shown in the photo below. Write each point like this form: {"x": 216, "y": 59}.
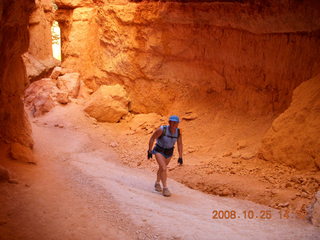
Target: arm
{"x": 180, "y": 145}
{"x": 154, "y": 136}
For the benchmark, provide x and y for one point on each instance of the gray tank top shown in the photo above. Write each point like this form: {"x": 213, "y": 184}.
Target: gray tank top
{"x": 169, "y": 139}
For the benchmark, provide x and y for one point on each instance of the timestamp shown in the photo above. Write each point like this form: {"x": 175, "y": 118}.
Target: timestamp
{"x": 245, "y": 214}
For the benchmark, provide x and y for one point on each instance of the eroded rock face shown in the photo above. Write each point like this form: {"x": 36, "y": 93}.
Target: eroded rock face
{"x": 36, "y": 69}
{"x": 315, "y": 210}
{"x": 293, "y": 138}
{"x": 21, "y": 153}
{"x": 56, "y": 73}
{"x": 14, "y": 19}
{"x": 70, "y": 83}
{"x": 4, "y": 174}
{"x": 40, "y": 23}
{"x": 108, "y": 103}
{"x": 247, "y": 55}
{"x": 39, "y": 60}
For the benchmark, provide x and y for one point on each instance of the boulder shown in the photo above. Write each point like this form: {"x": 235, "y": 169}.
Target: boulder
{"x": 84, "y": 91}
{"x": 70, "y": 82}
{"x": 38, "y": 96}
{"x": 62, "y": 98}
{"x": 108, "y": 104}
{"x": 21, "y": 153}
{"x": 41, "y": 96}
{"x": 45, "y": 85}
{"x": 56, "y": 73}
{"x": 4, "y": 174}
{"x": 42, "y": 104}
{"x": 37, "y": 68}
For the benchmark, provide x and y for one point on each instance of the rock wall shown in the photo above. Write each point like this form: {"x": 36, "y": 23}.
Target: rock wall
{"x": 293, "y": 138}
{"x": 39, "y": 60}
{"x": 14, "y": 40}
{"x": 244, "y": 55}
{"x": 40, "y": 23}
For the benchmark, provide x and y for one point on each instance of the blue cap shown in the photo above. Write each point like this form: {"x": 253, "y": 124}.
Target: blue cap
{"x": 174, "y": 118}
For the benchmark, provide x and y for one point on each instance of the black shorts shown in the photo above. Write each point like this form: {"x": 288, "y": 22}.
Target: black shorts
{"x": 166, "y": 152}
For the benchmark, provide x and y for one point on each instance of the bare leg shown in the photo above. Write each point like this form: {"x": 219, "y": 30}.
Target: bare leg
{"x": 158, "y": 175}
{"x": 162, "y": 171}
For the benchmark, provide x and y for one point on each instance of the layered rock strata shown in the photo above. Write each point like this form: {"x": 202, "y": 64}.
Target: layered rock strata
{"x": 245, "y": 55}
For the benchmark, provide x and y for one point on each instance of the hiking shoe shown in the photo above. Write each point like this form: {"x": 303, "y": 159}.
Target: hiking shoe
{"x": 157, "y": 187}
{"x": 166, "y": 192}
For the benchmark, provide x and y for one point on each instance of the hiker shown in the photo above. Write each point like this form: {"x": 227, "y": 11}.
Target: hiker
{"x": 166, "y": 137}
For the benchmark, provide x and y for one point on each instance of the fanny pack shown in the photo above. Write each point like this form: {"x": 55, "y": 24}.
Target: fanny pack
{"x": 166, "y": 151}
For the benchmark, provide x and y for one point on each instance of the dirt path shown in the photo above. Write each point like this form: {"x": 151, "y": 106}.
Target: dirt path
{"x": 78, "y": 190}
{"x": 55, "y": 201}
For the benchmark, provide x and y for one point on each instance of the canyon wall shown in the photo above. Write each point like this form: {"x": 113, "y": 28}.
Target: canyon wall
{"x": 40, "y": 23}
{"x": 39, "y": 60}
{"x": 242, "y": 55}
{"x": 14, "y": 41}
{"x": 293, "y": 138}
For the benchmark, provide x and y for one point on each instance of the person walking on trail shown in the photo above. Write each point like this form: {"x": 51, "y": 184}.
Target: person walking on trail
{"x": 166, "y": 137}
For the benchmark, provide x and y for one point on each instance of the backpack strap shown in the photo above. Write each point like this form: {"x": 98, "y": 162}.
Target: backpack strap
{"x": 164, "y": 132}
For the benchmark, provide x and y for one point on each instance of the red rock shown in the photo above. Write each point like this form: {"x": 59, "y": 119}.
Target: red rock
{"x": 4, "y": 174}
{"x": 42, "y": 104}
{"x": 69, "y": 83}
{"x": 39, "y": 60}
{"x": 37, "y": 68}
{"x": 63, "y": 98}
{"x": 293, "y": 138}
{"x": 56, "y": 73}
{"x": 315, "y": 212}
{"x": 14, "y": 38}
{"x": 225, "y": 54}
{"x": 108, "y": 104}
{"x": 21, "y": 153}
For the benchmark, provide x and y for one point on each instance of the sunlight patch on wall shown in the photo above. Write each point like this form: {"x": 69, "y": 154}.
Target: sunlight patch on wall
{"x": 56, "y": 40}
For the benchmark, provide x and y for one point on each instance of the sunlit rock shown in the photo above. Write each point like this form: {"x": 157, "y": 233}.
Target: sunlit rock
{"x": 247, "y": 57}
{"x": 108, "y": 103}
{"x": 56, "y": 72}
{"x": 70, "y": 82}
{"x": 293, "y": 138}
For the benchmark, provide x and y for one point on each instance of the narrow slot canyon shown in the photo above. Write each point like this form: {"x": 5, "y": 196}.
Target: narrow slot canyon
{"x": 85, "y": 84}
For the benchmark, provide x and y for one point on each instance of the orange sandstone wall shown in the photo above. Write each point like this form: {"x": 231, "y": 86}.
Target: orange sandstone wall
{"x": 14, "y": 40}
{"x": 242, "y": 55}
{"x": 40, "y": 23}
{"x": 293, "y": 138}
{"x": 39, "y": 60}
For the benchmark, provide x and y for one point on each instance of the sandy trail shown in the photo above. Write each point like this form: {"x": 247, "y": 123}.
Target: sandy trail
{"x": 123, "y": 199}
